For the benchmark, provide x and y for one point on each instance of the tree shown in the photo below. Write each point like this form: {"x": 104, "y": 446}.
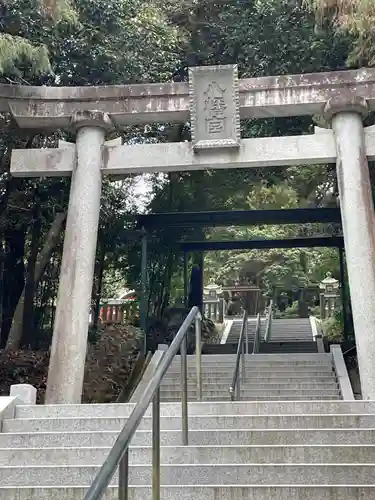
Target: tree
{"x": 17, "y": 47}
{"x": 53, "y": 42}
{"x": 355, "y": 18}
{"x": 19, "y": 322}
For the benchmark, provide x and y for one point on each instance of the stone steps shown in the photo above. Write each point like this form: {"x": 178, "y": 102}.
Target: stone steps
{"x": 266, "y": 408}
{"x": 267, "y": 367}
{"x": 215, "y": 437}
{"x": 254, "y": 378}
{"x": 253, "y": 390}
{"x": 251, "y": 366}
{"x": 196, "y": 474}
{"x": 221, "y": 397}
{"x": 225, "y": 422}
{"x": 288, "y": 331}
{"x": 252, "y": 385}
{"x": 222, "y": 492}
{"x": 217, "y": 374}
{"x": 262, "y": 372}
{"x": 261, "y": 395}
{"x": 287, "y": 346}
{"x": 294, "y": 454}
{"x": 278, "y": 357}
{"x": 291, "y": 445}
{"x": 260, "y": 358}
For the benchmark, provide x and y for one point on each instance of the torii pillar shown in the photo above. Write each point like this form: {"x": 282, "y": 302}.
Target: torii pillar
{"x": 69, "y": 343}
{"x": 357, "y": 212}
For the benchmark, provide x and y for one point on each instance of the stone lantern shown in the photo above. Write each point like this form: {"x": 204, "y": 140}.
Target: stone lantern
{"x": 329, "y": 296}
{"x": 213, "y": 304}
{"x": 212, "y": 291}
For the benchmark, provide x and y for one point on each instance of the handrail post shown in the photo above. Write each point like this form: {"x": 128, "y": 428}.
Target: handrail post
{"x": 247, "y": 335}
{"x": 184, "y": 394}
{"x": 123, "y": 477}
{"x": 198, "y": 355}
{"x": 269, "y": 322}
{"x": 238, "y": 389}
{"x": 257, "y": 335}
{"x": 156, "y": 446}
{"x": 231, "y": 393}
{"x": 243, "y": 361}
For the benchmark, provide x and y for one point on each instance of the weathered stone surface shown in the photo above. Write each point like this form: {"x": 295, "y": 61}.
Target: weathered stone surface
{"x": 91, "y": 118}
{"x": 136, "y": 159}
{"x": 346, "y": 104}
{"x": 69, "y": 343}
{"x": 214, "y": 107}
{"x": 286, "y": 95}
{"x": 357, "y": 211}
{"x": 342, "y": 373}
{"x": 120, "y": 160}
{"x": 24, "y": 392}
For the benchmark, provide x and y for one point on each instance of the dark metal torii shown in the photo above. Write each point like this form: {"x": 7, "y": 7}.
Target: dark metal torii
{"x": 151, "y": 222}
{"x": 239, "y": 218}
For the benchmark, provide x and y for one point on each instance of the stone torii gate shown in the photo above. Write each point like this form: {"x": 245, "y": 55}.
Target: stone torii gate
{"x": 215, "y": 100}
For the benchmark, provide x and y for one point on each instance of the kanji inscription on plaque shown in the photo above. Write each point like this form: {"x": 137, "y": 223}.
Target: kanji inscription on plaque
{"x": 214, "y": 106}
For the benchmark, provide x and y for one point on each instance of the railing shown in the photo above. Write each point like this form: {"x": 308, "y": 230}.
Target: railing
{"x": 267, "y": 334}
{"x": 119, "y": 455}
{"x": 235, "y": 387}
{"x": 257, "y": 335}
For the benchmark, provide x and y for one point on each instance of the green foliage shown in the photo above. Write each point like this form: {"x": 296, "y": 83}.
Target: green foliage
{"x": 355, "y": 18}
{"x": 14, "y": 50}
{"x": 334, "y": 327}
{"x": 25, "y": 33}
{"x": 53, "y": 42}
{"x": 116, "y": 42}
{"x": 288, "y": 268}
{"x": 290, "y": 312}
{"x": 59, "y": 10}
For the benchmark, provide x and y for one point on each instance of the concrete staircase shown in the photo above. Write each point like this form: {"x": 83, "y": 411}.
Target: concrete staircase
{"x": 291, "y": 437}
{"x": 268, "y": 377}
{"x": 287, "y": 335}
{"x": 247, "y": 450}
{"x": 235, "y": 330}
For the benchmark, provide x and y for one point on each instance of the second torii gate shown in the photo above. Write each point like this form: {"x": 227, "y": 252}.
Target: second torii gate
{"x": 217, "y": 100}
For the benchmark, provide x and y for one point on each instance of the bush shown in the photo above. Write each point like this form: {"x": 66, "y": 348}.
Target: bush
{"x": 108, "y": 365}
{"x": 290, "y": 312}
{"x": 334, "y": 327}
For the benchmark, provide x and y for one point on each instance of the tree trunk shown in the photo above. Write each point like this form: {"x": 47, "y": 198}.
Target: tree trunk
{"x": 167, "y": 282}
{"x": 2, "y": 256}
{"x": 99, "y": 286}
{"x": 28, "y": 321}
{"x": 13, "y": 275}
{"x": 15, "y": 334}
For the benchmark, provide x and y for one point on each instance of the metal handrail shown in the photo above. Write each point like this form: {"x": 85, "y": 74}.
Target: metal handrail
{"x": 235, "y": 387}
{"x": 257, "y": 335}
{"x": 267, "y": 333}
{"x": 119, "y": 455}
{"x": 350, "y": 350}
